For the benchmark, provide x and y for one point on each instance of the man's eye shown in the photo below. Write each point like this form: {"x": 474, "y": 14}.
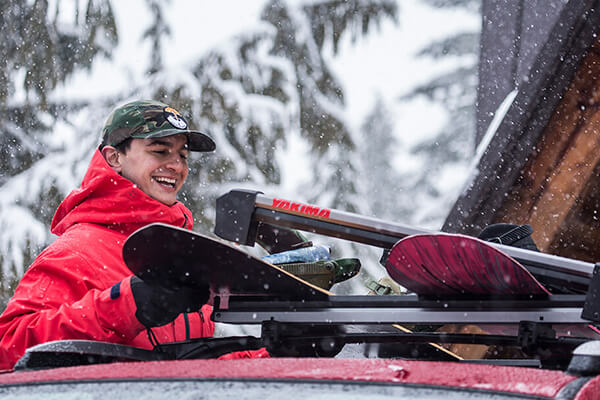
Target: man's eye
{"x": 184, "y": 156}
{"x": 159, "y": 151}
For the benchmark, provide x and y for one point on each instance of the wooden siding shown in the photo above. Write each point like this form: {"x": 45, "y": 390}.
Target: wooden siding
{"x": 558, "y": 190}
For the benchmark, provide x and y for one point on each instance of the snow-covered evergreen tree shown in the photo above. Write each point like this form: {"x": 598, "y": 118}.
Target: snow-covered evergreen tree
{"x": 42, "y": 46}
{"x": 250, "y": 95}
{"x": 381, "y": 180}
{"x": 268, "y": 85}
{"x": 448, "y": 152}
{"x": 157, "y": 32}
{"x": 261, "y": 95}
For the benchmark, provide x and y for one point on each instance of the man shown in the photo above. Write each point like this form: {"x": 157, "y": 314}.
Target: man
{"x": 79, "y": 286}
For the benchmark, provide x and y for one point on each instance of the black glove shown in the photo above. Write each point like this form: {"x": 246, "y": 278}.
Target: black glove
{"x": 157, "y": 306}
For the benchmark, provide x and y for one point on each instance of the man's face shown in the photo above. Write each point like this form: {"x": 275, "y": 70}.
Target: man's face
{"x": 157, "y": 166}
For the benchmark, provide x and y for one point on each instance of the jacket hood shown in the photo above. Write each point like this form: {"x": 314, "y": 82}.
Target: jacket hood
{"x": 106, "y": 198}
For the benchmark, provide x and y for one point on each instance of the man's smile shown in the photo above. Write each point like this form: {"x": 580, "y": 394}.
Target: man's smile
{"x": 164, "y": 181}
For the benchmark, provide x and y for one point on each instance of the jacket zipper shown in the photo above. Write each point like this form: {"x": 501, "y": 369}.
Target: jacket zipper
{"x": 185, "y": 220}
{"x": 187, "y": 326}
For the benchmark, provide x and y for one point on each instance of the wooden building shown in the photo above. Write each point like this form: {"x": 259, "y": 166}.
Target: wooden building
{"x": 542, "y": 164}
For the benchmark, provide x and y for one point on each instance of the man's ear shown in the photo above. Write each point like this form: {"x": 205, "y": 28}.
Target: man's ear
{"x": 112, "y": 157}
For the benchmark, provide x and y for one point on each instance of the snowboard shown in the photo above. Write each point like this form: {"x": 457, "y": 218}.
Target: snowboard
{"x": 174, "y": 257}
{"x": 446, "y": 265}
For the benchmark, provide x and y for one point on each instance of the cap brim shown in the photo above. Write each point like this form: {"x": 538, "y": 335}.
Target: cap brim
{"x": 197, "y": 141}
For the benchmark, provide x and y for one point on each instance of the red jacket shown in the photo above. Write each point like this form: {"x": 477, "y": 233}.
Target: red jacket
{"x": 65, "y": 293}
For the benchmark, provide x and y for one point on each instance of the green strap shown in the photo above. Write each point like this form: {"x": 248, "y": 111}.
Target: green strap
{"x": 378, "y": 288}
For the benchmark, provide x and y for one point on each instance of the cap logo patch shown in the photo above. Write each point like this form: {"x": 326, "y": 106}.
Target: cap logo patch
{"x": 175, "y": 118}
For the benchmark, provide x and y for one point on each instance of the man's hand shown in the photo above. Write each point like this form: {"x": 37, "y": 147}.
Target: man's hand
{"x": 157, "y": 306}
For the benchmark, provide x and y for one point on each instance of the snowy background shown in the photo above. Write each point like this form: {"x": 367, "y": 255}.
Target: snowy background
{"x": 365, "y": 106}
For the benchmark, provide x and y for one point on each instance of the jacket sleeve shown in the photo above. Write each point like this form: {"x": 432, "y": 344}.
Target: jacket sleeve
{"x": 59, "y": 298}
{"x": 260, "y": 353}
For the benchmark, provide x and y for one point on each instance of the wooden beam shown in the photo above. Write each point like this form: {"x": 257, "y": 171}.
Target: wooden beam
{"x": 580, "y": 232}
{"x": 563, "y": 161}
{"x": 566, "y": 182}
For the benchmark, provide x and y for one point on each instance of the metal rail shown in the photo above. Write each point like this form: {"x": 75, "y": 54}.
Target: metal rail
{"x": 407, "y": 309}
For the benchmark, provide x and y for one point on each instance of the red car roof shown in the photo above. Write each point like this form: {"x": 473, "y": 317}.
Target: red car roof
{"x": 487, "y": 377}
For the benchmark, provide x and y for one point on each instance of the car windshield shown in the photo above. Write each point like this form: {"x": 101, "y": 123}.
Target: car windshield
{"x": 251, "y": 390}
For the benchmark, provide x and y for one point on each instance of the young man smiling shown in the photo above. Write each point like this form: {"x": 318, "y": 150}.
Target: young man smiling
{"x": 157, "y": 166}
{"x": 79, "y": 286}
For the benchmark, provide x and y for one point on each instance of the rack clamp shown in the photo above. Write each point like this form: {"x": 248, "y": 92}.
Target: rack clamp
{"x": 531, "y": 334}
{"x": 301, "y": 340}
{"x": 591, "y": 307}
{"x": 235, "y": 216}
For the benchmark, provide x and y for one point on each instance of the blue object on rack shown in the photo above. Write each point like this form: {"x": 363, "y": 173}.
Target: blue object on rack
{"x": 305, "y": 254}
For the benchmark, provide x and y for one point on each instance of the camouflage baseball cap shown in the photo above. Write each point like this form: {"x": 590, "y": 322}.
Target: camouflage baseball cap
{"x": 150, "y": 119}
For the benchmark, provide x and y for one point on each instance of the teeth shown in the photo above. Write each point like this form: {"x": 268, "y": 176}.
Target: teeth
{"x": 162, "y": 179}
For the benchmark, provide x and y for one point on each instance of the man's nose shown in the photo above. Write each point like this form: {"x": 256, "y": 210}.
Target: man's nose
{"x": 176, "y": 162}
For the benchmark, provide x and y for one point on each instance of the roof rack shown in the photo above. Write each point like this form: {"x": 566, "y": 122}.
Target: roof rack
{"x": 244, "y": 215}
